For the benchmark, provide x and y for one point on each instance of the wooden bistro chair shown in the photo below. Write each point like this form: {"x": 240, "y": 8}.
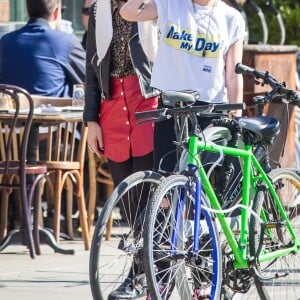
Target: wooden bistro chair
{"x": 65, "y": 163}
{"x": 98, "y": 172}
{"x": 14, "y": 168}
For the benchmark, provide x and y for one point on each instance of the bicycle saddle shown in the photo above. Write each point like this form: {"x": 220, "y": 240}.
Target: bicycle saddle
{"x": 175, "y": 98}
{"x": 262, "y": 126}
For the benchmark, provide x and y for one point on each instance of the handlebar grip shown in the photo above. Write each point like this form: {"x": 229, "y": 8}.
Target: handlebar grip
{"x": 229, "y": 106}
{"x": 150, "y": 113}
{"x": 243, "y": 69}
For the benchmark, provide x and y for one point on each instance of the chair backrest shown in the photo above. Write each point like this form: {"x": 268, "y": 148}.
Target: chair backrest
{"x": 66, "y": 142}
{"x": 14, "y": 128}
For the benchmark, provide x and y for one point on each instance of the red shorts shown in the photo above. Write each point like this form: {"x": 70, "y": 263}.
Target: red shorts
{"x": 122, "y": 136}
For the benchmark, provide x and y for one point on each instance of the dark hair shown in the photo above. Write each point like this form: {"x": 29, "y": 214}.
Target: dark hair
{"x": 41, "y": 8}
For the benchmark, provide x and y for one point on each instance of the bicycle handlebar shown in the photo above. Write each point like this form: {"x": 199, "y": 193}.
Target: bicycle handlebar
{"x": 277, "y": 87}
{"x": 165, "y": 112}
{"x": 209, "y": 110}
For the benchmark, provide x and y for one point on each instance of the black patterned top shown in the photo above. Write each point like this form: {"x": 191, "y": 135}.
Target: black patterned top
{"x": 121, "y": 65}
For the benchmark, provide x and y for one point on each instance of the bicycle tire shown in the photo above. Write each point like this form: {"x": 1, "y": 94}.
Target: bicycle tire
{"x": 287, "y": 184}
{"x": 111, "y": 261}
{"x": 176, "y": 276}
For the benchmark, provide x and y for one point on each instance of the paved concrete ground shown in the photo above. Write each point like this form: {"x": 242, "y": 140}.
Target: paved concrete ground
{"x": 53, "y": 276}
{"x": 48, "y": 276}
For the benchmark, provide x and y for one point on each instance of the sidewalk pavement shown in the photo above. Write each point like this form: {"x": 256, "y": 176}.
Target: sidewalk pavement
{"x": 50, "y": 276}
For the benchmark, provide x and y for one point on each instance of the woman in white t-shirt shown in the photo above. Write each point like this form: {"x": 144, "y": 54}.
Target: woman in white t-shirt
{"x": 201, "y": 41}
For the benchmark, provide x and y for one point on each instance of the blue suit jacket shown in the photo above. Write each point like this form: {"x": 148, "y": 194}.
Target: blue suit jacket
{"x": 42, "y": 60}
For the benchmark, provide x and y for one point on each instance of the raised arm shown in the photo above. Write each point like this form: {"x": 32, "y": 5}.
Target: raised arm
{"x": 139, "y": 10}
{"x": 234, "y": 81}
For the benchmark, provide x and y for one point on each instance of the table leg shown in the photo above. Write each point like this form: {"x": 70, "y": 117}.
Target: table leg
{"x": 15, "y": 237}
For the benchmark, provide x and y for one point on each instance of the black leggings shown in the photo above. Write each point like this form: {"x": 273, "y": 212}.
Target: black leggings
{"x": 131, "y": 206}
{"x": 120, "y": 170}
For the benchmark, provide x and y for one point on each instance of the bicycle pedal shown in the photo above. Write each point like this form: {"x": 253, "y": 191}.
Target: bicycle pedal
{"x": 278, "y": 275}
{"x": 274, "y": 224}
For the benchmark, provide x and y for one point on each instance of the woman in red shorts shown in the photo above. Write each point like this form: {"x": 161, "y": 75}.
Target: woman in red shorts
{"x": 117, "y": 85}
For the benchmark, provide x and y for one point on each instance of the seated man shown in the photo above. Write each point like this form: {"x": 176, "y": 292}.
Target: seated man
{"x": 39, "y": 58}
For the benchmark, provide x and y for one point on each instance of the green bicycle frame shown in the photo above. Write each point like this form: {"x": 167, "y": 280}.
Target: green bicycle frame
{"x": 252, "y": 173}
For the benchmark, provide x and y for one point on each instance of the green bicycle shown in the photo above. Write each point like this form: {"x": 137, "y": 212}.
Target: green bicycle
{"x": 190, "y": 245}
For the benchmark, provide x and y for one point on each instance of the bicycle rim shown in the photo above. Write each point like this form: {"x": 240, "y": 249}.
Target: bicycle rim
{"x": 287, "y": 286}
{"x": 111, "y": 261}
{"x": 178, "y": 273}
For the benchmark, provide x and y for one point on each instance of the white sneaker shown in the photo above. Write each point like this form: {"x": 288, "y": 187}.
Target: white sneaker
{"x": 202, "y": 293}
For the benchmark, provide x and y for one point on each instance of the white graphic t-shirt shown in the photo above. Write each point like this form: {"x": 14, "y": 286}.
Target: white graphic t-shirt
{"x": 193, "y": 45}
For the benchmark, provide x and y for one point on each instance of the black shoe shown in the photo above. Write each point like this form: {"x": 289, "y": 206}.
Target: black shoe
{"x": 128, "y": 290}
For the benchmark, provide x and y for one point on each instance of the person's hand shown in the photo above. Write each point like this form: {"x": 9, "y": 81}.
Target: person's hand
{"x": 94, "y": 138}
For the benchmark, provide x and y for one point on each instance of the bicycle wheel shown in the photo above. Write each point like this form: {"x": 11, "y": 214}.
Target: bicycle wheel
{"x": 276, "y": 236}
{"x": 112, "y": 261}
{"x": 172, "y": 269}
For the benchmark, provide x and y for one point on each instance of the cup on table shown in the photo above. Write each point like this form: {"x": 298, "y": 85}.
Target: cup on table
{"x": 78, "y": 95}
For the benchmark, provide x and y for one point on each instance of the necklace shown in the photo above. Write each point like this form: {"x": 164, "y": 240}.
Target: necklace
{"x": 200, "y": 15}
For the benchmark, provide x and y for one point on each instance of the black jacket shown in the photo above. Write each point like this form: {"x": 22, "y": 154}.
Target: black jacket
{"x": 97, "y": 76}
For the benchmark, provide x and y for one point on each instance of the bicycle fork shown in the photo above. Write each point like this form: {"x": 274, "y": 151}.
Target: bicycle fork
{"x": 179, "y": 217}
